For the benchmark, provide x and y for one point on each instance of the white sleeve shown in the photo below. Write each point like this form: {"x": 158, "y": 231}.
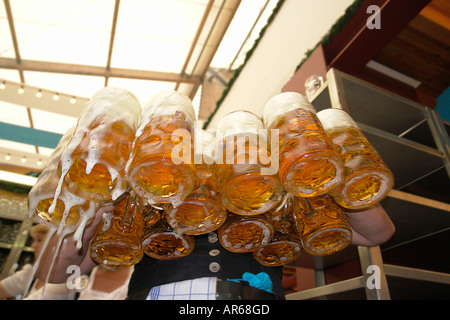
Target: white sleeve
{"x": 16, "y": 283}
{"x": 53, "y": 291}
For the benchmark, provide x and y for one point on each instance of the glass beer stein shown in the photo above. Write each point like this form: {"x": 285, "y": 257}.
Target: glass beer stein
{"x": 164, "y": 133}
{"x": 151, "y": 214}
{"x": 285, "y": 246}
{"x": 282, "y": 217}
{"x": 367, "y": 180}
{"x": 282, "y": 249}
{"x": 93, "y": 162}
{"x": 68, "y": 208}
{"x": 200, "y": 212}
{"x": 241, "y": 234}
{"x": 309, "y": 164}
{"x": 162, "y": 242}
{"x": 117, "y": 242}
{"x": 322, "y": 225}
{"x": 244, "y": 157}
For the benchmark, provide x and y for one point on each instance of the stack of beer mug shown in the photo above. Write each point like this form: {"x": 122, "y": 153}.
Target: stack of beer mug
{"x": 270, "y": 186}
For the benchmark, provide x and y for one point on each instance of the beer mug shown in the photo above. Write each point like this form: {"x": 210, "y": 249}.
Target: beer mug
{"x": 68, "y": 208}
{"x": 248, "y": 187}
{"x": 367, "y": 180}
{"x": 285, "y": 246}
{"x": 282, "y": 249}
{"x": 200, "y": 212}
{"x": 309, "y": 164}
{"x": 93, "y": 162}
{"x": 116, "y": 241}
{"x": 282, "y": 217}
{"x": 241, "y": 234}
{"x": 162, "y": 242}
{"x": 322, "y": 225}
{"x": 151, "y": 213}
{"x": 160, "y": 168}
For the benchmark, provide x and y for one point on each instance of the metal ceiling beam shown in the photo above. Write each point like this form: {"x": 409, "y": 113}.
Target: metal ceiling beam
{"x": 197, "y": 36}
{"x": 17, "y": 54}
{"x": 56, "y": 67}
{"x": 13, "y": 35}
{"x": 214, "y": 40}
{"x": 215, "y": 35}
{"x": 111, "y": 39}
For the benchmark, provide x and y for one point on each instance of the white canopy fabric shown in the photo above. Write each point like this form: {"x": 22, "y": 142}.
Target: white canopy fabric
{"x": 56, "y": 54}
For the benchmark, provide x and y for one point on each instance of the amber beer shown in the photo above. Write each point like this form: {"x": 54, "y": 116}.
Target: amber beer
{"x": 241, "y": 234}
{"x": 243, "y": 156}
{"x": 282, "y": 217}
{"x": 161, "y": 242}
{"x": 166, "y": 125}
{"x": 69, "y": 207}
{"x": 285, "y": 246}
{"x": 322, "y": 225}
{"x": 116, "y": 241}
{"x": 201, "y": 211}
{"x": 309, "y": 164}
{"x": 367, "y": 180}
{"x": 282, "y": 249}
{"x": 92, "y": 165}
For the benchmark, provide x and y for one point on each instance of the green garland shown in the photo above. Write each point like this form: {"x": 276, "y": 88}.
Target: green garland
{"x": 335, "y": 29}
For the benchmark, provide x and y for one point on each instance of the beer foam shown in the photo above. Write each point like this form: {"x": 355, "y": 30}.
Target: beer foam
{"x": 86, "y": 216}
{"x": 240, "y": 123}
{"x": 41, "y": 190}
{"x": 111, "y": 105}
{"x": 279, "y": 105}
{"x": 47, "y": 183}
{"x": 107, "y": 218}
{"x": 166, "y": 103}
{"x": 334, "y": 118}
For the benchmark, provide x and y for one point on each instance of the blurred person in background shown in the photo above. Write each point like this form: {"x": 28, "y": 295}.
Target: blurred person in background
{"x": 107, "y": 283}
{"x": 15, "y": 286}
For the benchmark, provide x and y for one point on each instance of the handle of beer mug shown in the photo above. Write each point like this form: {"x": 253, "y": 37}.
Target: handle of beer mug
{"x": 69, "y": 254}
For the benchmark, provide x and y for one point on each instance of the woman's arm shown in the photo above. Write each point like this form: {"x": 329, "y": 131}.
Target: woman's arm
{"x": 69, "y": 254}
{"x": 371, "y": 226}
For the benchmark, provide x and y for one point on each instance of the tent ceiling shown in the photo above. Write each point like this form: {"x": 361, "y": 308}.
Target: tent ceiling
{"x": 73, "y": 48}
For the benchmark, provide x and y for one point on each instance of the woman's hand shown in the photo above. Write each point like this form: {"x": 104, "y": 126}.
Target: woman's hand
{"x": 68, "y": 253}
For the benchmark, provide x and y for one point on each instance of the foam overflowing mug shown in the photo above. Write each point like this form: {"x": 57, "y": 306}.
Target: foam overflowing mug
{"x": 69, "y": 208}
{"x": 161, "y": 167}
{"x": 92, "y": 166}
